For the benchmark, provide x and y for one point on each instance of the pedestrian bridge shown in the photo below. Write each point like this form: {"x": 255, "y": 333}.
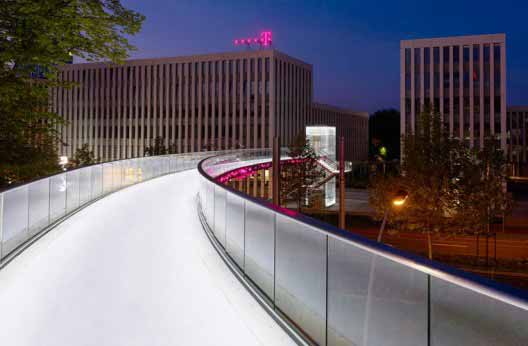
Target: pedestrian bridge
{"x": 153, "y": 251}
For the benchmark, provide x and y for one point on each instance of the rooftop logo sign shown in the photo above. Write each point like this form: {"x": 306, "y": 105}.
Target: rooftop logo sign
{"x": 264, "y": 40}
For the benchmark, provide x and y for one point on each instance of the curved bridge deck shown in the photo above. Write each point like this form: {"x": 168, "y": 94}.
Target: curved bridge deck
{"x": 134, "y": 268}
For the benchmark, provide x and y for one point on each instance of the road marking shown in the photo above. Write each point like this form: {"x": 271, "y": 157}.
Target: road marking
{"x": 450, "y": 245}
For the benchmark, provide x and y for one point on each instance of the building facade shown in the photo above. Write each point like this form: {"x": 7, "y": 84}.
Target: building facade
{"x": 517, "y": 138}
{"x": 194, "y": 103}
{"x": 464, "y": 78}
{"x": 351, "y": 125}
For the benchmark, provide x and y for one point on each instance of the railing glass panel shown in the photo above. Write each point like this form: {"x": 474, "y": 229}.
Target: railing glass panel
{"x": 15, "y": 218}
{"x": 38, "y": 208}
{"x": 58, "y": 196}
{"x": 260, "y": 247}
{"x": 72, "y": 191}
{"x": 300, "y": 277}
{"x": 461, "y": 314}
{"x": 220, "y": 214}
{"x": 235, "y": 228}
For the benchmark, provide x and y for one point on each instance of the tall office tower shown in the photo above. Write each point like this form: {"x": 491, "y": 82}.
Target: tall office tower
{"x": 464, "y": 78}
{"x": 194, "y": 103}
{"x": 518, "y": 133}
{"x": 351, "y": 125}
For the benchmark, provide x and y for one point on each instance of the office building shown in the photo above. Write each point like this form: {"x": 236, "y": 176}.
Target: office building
{"x": 195, "y": 103}
{"x": 464, "y": 78}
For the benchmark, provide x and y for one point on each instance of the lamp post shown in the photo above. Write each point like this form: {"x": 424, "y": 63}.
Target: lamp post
{"x": 275, "y": 171}
{"x": 398, "y": 200}
{"x": 342, "y": 210}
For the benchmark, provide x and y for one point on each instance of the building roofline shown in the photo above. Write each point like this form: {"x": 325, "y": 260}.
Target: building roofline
{"x": 517, "y": 108}
{"x": 191, "y": 58}
{"x": 454, "y": 40}
{"x": 340, "y": 110}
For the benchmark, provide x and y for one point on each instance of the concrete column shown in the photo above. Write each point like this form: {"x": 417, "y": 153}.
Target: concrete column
{"x": 220, "y": 136}
{"x": 213, "y": 105}
{"x": 413, "y": 91}
{"x": 143, "y": 106}
{"x": 199, "y": 105}
{"x": 422, "y": 79}
{"x": 441, "y": 83}
{"x": 263, "y": 115}
{"x": 180, "y": 106}
{"x": 451, "y": 92}
{"x": 402, "y": 92}
{"x": 148, "y": 105}
{"x": 207, "y": 72}
{"x": 481, "y": 92}
{"x": 192, "y": 129}
{"x": 227, "y": 100}
{"x": 241, "y": 102}
{"x": 471, "y": 99}
{"x": 167, "y": 110}
{"x": 461, "y": 91}
{"x": 503, "y": 97}
{"x": 492, "y": 90}
{"x": 186, "y": 122}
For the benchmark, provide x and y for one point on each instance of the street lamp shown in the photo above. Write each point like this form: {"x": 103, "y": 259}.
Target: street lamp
{"x": 398, "y": 200}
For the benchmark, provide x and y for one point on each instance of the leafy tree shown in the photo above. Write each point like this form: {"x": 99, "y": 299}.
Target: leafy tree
{"x": 83, "y": 157}
{"x": 384, "y": 134}
{"x": 42, "y": 35}
{"x": 451, "y": 188}
{"x": 428, "y": 176}
{"x": 482, "y": 189}
{"x": 28, "y": 135}
{"x": 158, "y": 148}
{"x": 299, "y": 176}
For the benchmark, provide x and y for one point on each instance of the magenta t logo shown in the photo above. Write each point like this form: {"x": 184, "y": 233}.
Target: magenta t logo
{"x": 264, "y": 40}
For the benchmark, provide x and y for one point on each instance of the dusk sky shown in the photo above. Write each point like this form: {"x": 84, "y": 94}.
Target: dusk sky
{"x": 352, "y": 45}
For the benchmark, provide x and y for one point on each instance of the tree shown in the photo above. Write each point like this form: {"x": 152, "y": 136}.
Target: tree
{"x": 383, "y": 134}
{"x": 83, "y": 157}
{"x": 158, "y": 148}
{"x": 40, "y": 36}
{"x": 451, "y": 188}
{"x": 28, "y": 131}
{"x": 428, "y": 177}
{"x": 482, "y": 189}
{"x": 299, "y": 176}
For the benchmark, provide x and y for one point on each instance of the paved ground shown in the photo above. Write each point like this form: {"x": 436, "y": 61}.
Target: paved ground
{"x": 135, "y": 268}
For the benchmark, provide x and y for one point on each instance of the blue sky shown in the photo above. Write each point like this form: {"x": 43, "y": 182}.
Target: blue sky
{"x": 352, "y": 45}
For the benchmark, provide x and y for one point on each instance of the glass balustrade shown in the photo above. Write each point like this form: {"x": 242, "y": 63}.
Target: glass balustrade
{"x": 332, "y": 287}
{"x": 339, "y": 289}
{"x": 29, "y": 209}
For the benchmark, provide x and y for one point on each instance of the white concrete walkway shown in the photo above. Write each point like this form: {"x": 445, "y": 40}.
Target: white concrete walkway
{"x": 135, "y": 268}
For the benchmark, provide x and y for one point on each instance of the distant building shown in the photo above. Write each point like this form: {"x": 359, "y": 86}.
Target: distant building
{"x": 195, "y": 103}
{"x": 351, "y": 125}
{"x": 464, "y": 78}
{"x": 517, "y": 135}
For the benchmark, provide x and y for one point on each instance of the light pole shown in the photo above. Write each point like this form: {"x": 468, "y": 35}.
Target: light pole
{"x": 398, "y": 200}
{"x": 342, "y": 210}
{"x": 275, "y": 171}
